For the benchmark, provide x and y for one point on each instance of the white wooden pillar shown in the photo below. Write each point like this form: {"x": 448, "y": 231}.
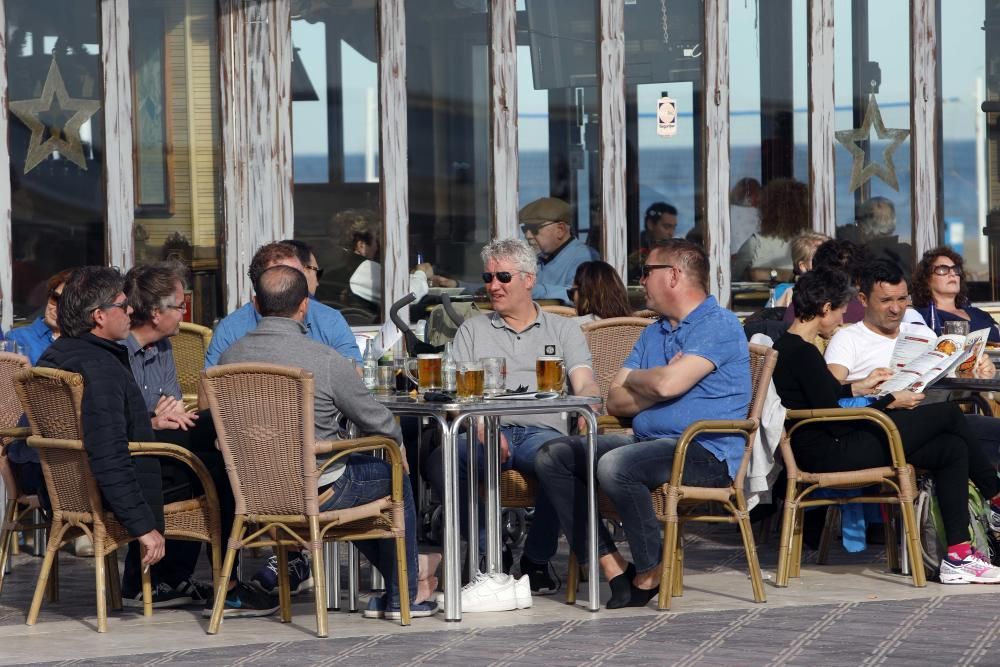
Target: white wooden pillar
{"x": 716, "y": 137}
{"x": 612, "y": 154}
{"x": 503, "y": 117}
{"x": 822, "y": 176}
{"x": 6, "y": 254}
{"x": 120, "y": 190}
{"x": 391, "y": 30}
{"x": 254, "y": 77}
{"x": 924, "y": 116}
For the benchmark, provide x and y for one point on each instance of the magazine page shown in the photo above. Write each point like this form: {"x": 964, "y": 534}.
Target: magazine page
{"x": 975, "y": 348}
{"x": 908, "y": 347}
{"x": 922, "y": 371}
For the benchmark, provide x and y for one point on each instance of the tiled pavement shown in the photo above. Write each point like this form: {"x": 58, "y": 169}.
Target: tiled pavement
{"x": 848, "y": 613}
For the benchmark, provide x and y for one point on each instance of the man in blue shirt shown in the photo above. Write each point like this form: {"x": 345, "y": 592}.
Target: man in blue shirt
{"x": 694, "y": 363}
{"x": 323, "y": 323}
{"x": 546, "y": 226}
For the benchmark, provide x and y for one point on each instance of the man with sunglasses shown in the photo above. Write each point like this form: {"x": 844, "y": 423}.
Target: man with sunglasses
{"x": 694, "y": 363}
{"x": 545, "y": 223}
{"x": 519, "y": 331}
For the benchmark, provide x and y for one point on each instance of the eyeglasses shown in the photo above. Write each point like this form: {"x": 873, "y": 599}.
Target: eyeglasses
{"x": 182, "y": 308}
{"x": 503, "y": 276}
{"x": 945, "y": 269}
{"x": 649, "y": 268}
{"x": 54, "y": 296}
{"x": 123, "y": 304}
{"x": 319, "y": 271}
{"x": 534, "y": 227}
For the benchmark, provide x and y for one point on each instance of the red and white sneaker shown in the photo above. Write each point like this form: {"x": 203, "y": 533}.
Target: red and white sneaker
{"x": 973, "y": 569}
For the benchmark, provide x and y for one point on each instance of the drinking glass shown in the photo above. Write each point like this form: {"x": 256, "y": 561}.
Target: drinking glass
{"x": 494, "y": 375}
{"x": 469, "y": 381}
{"x": 428, "y": 376}
{"x": 550, "y": 373}
{"x": 386, "y": 379}
{"x": 957, "y": 327}
{"x": 10, "y": 346}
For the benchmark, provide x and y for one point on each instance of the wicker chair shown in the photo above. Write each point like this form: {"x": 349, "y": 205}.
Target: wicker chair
{"x": 20, "y": 507}
{"x": 669, "y": 498}
{"x": 263, "y": 416}
{"x": 190, "y": 345}
{"x": 564, "y": 311}
{"x": 897, "y": 485}
{"x": 52, "y": 400}
{"x": 647, "y": 314}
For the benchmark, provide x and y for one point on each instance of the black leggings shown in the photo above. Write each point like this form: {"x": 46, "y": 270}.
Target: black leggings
{"x": 935, "y": 438}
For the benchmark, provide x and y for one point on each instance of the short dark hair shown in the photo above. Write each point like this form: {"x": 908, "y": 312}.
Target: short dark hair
{"x": 842, "y": 255}
{"x": 267, "y": 255}
{"x": 880, "y": 271}
{"x": 920, "y": 288}
{"x": 280, "y": 290}
{"x": 149, "y": 286}
{"x": 688, "y": 256}
{"x": 818, "y": 287}
{"x": 87, "y": 289}
{"x": 303, "y": 250}
{"x": 658, "y": 208}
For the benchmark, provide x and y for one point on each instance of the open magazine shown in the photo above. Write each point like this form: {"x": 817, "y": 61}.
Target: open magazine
{"x": 919, "y": 361}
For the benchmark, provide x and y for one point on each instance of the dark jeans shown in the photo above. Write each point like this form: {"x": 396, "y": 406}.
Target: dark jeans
{"x": 935, "y": 437}
{"x": 366, "y": 479}
{"x": 542, "y": 540}
{"x": 626, "y": 471}
{"x": 179, "y": 483}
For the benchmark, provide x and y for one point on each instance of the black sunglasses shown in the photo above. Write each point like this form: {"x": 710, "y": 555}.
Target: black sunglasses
{"x": 319, "y": 271}
{"x": 649, "y": 268}
{"x": 503, "y": 276}
{"x": 123, "y": 304}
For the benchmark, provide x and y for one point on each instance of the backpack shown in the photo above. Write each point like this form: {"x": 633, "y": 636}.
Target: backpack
{"x": 931, "y": 528}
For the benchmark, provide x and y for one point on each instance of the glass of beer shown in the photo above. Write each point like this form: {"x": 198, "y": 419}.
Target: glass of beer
{"x": 428, "y": 376}
{"x": 494, "y": 375}
{"x": 550, "y": 373}
{"x": 469, "y": 381}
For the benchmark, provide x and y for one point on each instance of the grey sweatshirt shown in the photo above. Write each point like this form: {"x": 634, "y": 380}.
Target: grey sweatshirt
{"x": 339, "y": 390}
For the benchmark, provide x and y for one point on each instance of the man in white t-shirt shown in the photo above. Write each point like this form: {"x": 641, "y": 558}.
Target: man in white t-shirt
{"x": 858, "y": 349}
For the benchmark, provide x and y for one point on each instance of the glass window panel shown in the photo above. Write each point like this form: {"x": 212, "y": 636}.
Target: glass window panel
{"x": 872, "y": 44}
{"x": 176, "y": 132}
{"x": 334, "y": 84}
{"x": 56, "y": 141}
{"x": 663, "y": 58}
{"x": 964, "y": 188}
{"x": 448, "y": 119}
{"x": 769, "y": 143}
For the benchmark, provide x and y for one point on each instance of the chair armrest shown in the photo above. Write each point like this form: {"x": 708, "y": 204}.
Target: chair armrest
{"x": 742, "y": 427}
{"x": 343, "y": 448}
{"x": 15, "y": 432}
{"x": 803, "y": 417}
{"x": 185, "y": 456}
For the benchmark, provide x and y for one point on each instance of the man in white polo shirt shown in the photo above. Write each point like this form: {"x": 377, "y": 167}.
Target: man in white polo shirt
{"x": 520, "y": 331}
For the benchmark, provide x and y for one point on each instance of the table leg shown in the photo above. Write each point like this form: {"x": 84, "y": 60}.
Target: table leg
{"x": 493, "y": 561}
{"x": 594, "y": 599}
{"x": 352, "y": 577}
{"x": 472, "y": 500}
{"x": 332, "y": 557}
{"x": 452, "y": 575}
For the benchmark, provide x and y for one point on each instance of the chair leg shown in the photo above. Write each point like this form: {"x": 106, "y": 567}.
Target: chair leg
{"x": 147, "y": 589}
{"x": 572, "y": 578}
{"x": 319, "y": 572}
{"x": 756, "y": 580}
{"x": 795, "y": 565}
{"x": 114, "y": 580}
{"x": 223, "y": 584}
{"x": 102, "y": 603}
{"x": 677, "y": 588}
{"x": 56, "y": 531}
{"x": 913, "y": 544}
{"x": 53, "y": 586}
{"x": 785, "y": 543}
{"x": 667, "y": 562}
{"x": 891, "y": 540}
{"x": 826, "y": 539}
{"x": 404, "y": 583}
{"x": 284, "y": 585}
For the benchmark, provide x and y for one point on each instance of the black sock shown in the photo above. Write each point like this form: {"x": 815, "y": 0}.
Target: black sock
{"x": 621, "y": 588}
{"x": 642, "y": 596}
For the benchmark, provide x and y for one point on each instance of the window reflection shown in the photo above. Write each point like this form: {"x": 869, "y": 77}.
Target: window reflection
{"x": 175, "y": 83}
{"x": 56, "y": 143}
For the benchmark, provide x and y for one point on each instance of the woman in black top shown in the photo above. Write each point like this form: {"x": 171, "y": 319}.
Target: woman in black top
{"x": 935, "y": 437}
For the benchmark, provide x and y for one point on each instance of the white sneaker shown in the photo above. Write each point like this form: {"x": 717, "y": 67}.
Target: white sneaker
{"x": 489, "y": 593}
{"x": 974, "y": 569}
{"x": 522, "y": 592}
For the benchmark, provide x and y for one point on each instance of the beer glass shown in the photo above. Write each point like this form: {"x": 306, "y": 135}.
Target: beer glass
{"x": 494, "y": 375}
{"x": 428, "y": 376}
{"x": 469, "y": 381}
{"x": 550, "y": 373}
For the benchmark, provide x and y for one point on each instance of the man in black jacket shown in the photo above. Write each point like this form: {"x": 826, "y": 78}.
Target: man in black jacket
{"x": 93, "y": 316}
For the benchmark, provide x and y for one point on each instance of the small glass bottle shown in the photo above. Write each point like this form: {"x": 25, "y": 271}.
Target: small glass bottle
{"x": 369, "y": 365}
{"x": 448, "y": 368}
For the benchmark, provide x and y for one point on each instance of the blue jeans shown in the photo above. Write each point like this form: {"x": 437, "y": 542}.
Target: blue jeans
{"x": 626, "y": 471}
{"x": 366, "y": 479}
{"x": 524, "y": 441}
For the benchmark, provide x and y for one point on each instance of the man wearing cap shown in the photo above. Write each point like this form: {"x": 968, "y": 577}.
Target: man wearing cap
{"x": 545, "y": 223}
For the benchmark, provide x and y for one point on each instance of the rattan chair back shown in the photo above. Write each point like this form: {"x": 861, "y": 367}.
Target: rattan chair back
{"x": 610, "y": 342}
{"x": 190, "y": 345}
{"x": 263, "y": 417}
{"x": 564, "y": 311}
{"x": 647, "y": 313}
{"x": 10, "y": 412}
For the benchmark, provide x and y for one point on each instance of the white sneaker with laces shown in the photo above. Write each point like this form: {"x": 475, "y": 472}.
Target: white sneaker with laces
{"x": 973, "y": 569}
{"x": 522, "y": 592}
{"x": 489, "y": 593}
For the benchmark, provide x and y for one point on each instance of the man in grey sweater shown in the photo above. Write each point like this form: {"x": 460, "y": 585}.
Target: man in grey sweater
{"x": 282, "y": 297}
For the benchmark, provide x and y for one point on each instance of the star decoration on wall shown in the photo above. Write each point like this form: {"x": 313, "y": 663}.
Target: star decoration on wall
{"x": 849, "y": 139}
{"x": 55, "y": 120}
